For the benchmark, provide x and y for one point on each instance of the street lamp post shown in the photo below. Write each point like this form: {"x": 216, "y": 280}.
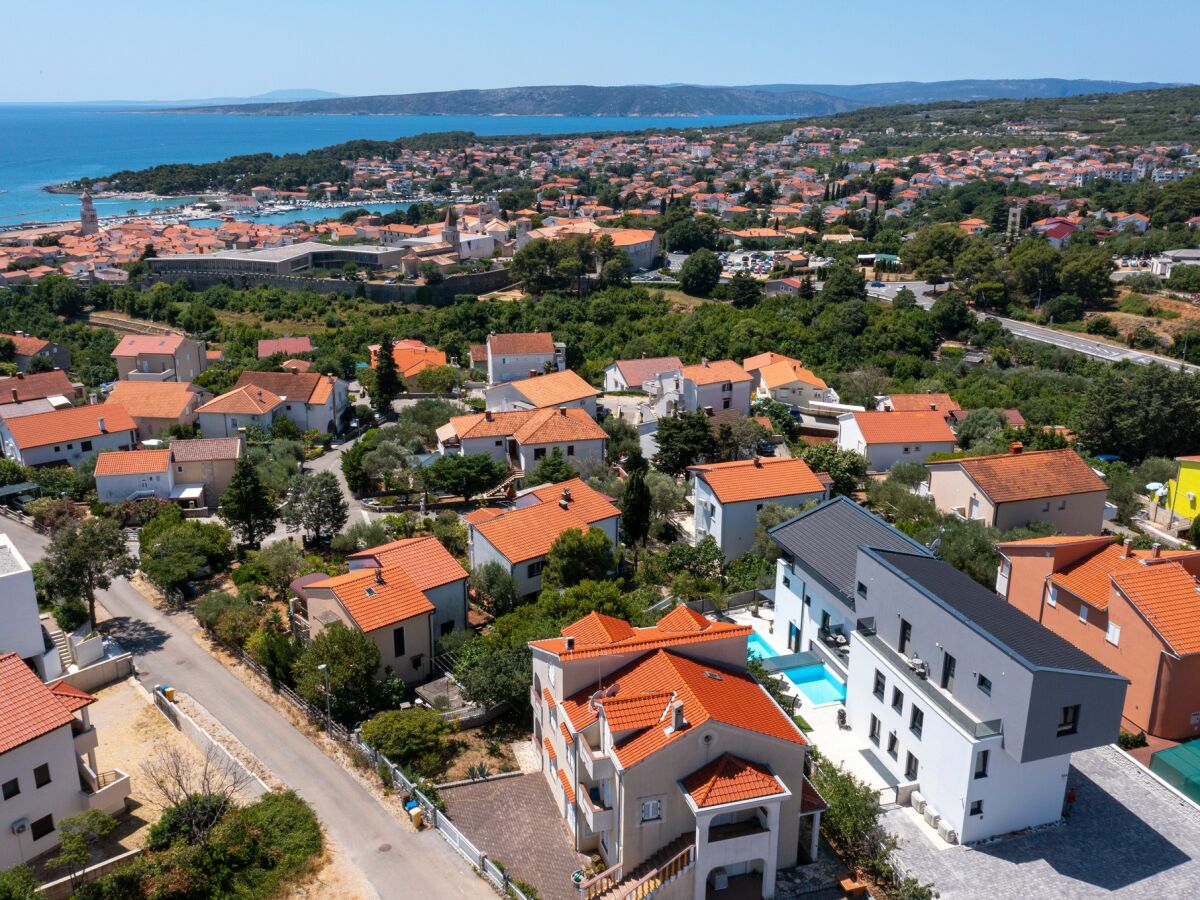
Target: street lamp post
{"x": 324, "y": 670}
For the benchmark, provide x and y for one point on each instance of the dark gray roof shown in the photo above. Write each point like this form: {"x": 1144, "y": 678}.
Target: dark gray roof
{"x": 826, "y": 538}
{"x": 989, "y": 613}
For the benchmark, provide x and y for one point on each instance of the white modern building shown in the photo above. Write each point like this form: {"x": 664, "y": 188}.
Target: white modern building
{"x": 511, "y": 357}
{"x": 558, "y": 389}
{"x": 717, "y": 384}
{"x": 888, "y": 438}
{"x": 21, "y": 629}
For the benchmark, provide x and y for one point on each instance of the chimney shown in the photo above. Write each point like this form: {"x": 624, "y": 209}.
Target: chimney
{"x": 20, "y": 376}
{"x": 757, "y": 461}
{"x": 100, "y": 425}
{"x": 566, "y": 494}
{"x": 1155, "y": 550}
{"x": 533, "y": 373}
{"x": 678, "y": 722}
{"x": 1016, "y": 447}
{"x": 933, "y": 407}
{"x": 379, "y": 576}
{"x": 704, "y": 361}
{"x": 1126, "y": 548}
{"x": 562, "y": 410}
{"x": 14, "y": 396}
{"x": 487, "y": 415}
{"x": 569, "y": 642}
{"x": 708, "y": 411}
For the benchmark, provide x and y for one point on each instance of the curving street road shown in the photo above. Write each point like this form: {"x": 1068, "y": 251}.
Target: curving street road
{"x": 397, "y": 862}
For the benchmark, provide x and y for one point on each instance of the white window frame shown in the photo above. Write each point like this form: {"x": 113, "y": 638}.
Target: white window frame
{"x": 1052, "y": 596}
{"x": 1113, "y": 635}
{"x": 651, "y": 805}
{"x": 1083, "y": 612}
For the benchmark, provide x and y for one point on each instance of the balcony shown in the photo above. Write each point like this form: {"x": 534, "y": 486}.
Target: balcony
{"x": 597, "y": 766}
{"x": 735, "y": 830}
{"x": 939, "y": 699}
{"x": 164, "y": 375}
{"x": 599, "y": 818}
{"x": 105, "y": 791}
{"x": 85, "y": 737}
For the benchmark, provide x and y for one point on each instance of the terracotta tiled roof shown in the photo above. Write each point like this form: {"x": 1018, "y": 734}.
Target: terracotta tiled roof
{"x": 424, "y": 559}
{"x": 246, "y": 401}
{"x": 715, "y": 371}
{"x": 25, "y": 344}
{"x": 681, "y": 618}
{"x": 708, "y": 692}
{"x": 566, "y": 784}
{"x": 206, "y": 449}
{"x": 728, "y": 779}
{"x": 1090, "y": 579}
{"x": 922, "y": 403}
{"x": 372, "y": 604}
{"x": 137, "y": 344}
{"x": 637, "y": 371}
{"x": 1169, "y": 597}
{"x": 528, "y": 533}
{"x": 762, "y": 360}
{"x": 36, "y": 386}
{"x": 1011, "y": 477}
{"x": 674, "y": 629}
{"x": 557, "y": 387}
{"x": 410, "y": 356}
{"x": 306, "y": 387}
{"x": 904, "y": 427}
{"x": 534, "y": 426}
{"x": 28, "y": 708}
{"x": 549, "y": 747}
{"x": 70, "y": 696}
{"x": 562, "y": 727}
{"x": 635, "y": 711}
{"x": 584, "y": 500}
{"x": 596, "y": 628}
{"x": 528, "y": 344}
{"x": 811, "y": 799}
{"x": 478, "y": 516}
{"x": 782, "y": 373}
{"x": 759, "y": 479}
{"x": 73, "y": 424}
{"x": 153, "y": 399}
{"x": 132, "y": 462}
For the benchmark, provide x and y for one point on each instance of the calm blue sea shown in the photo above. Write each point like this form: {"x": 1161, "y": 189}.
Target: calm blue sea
{"x": 48, "y": 144}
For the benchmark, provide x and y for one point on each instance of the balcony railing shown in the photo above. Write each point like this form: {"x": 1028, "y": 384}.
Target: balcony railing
{"x": 598, "y": 817}
{"x": 974, "y": 727}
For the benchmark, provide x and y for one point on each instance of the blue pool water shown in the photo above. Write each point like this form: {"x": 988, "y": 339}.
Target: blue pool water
{"x": 815, "y": 683}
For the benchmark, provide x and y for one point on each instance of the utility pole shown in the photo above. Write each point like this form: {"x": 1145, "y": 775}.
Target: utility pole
{"x": 324, "y": 669}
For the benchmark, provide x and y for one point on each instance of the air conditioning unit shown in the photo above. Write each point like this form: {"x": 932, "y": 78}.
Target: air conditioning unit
{"x": 931, "y": 817}
{"x": 918, "y": 802}
{"x": 19, "y": 826}
{"x": 947, "y": 834}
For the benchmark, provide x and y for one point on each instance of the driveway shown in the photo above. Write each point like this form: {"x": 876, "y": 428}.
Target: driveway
{"x": 394, "y": 860}
{"x": 1128, "y": 837}
{"x": 515, "y": 820}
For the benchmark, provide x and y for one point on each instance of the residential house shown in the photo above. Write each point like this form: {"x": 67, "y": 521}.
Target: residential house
{"x": 27, "y": 348}
{"x": 887, "y": 438}
{"x": 385, "y": 605}
{"x": 1135, "y": 611}
{"x": 961, "y": 705}
{"x": 66, "y": 436}
{"x": 159, "y": 357}
{"x": 313, "y": 402}
{"x": 786, "y": 381}
{"x": 558, "y": 389}
{"x": 522, "y": 438}
{"x": 288, "y": 346}
{"x": 633, "y": 374}
{"x": 519, "y": 538}
{"x": 48, "y": 767}
{"x": 236, "y": 410}
{"x": 437, "y": 574}
{"x": 719, "y": 384}
{"x": 511, "y": 357}
{"x": 411, "y": 357}
{"x": 942, "y": 403}
{"x": 755, "y": 364}
{"x": 133, "y": 475}
{"x": 53, "y": 386}
{"x": 1008, "y": 490}
{"x": 23, "y": 633}
{"x": 209, "y": 462}
{"x": 665, "y": 757}
{"x": 157, "y": 405}
{"x": 728, "y": 497}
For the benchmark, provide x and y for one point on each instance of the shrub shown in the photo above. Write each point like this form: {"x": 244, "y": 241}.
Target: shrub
{"x": 1128, "y": 741}
{"x": 212, "y": 606}
{"x": 70, "y": 614}
{"x": 1103, "y": 326}
{"x": 189, "y": 821}
{"x": 411, "y": 738}
{"x": 235, "y": 626}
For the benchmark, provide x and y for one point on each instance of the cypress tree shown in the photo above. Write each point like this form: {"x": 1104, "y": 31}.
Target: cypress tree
{"x": 246, "y": 505}
{"x": 387, "y": 382}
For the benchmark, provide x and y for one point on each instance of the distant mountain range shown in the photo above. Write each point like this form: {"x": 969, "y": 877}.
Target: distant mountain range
{"x": 666, "y": 100}
{"x": 286, "y": 95}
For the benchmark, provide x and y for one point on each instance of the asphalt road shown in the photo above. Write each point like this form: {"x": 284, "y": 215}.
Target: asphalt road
{"x": 396, "y": 862}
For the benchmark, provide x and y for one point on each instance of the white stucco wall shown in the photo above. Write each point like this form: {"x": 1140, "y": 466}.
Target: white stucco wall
{"x": 732, "y": 525}
{"x": 68, "y": 452}
{"x": 513, "y": 368}
{"x": 20, "y": 627}
{"x": 573, "y": 451}
{"x": 115, "y": 488}
{"x": 60, "y": 798}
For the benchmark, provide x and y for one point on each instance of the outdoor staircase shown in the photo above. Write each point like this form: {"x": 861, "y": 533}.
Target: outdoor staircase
{"x": 658, "y": 870}
{"x": 500, "y": 491}
{"x": 63, "y": 648}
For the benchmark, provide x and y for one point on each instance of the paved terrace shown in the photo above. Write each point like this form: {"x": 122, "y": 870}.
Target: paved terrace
{"x": 1128, "y": 836}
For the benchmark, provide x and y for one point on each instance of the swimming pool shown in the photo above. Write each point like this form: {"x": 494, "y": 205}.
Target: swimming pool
{"x": 814, "y": 683}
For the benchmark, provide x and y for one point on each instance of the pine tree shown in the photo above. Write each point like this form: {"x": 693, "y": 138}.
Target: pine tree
{"x": 246, "y": 505}
{"x": 387, "y": 382}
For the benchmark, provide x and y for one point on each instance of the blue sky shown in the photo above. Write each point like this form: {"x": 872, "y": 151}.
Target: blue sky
{"x": 150, "y": 49}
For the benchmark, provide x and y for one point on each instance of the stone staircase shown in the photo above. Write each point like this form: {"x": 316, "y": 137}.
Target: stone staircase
{"x": 662, "y": 867}
{"x": 61, "y": 645}
{"x": 500, "y": 491}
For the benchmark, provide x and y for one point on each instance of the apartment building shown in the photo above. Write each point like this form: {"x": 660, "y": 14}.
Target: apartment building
{"x": 558, "y": 389}
{"x": 522, "y": 438}
{"x": 665, "y": 757}
{"x": 511, "y": 357}
{"x": 432, "y": 569}
{"x": 159, "y": 357}
{"x": 717, "y": 384}
{"x": 313, "y": 402}
{"x": 66, "y": 436}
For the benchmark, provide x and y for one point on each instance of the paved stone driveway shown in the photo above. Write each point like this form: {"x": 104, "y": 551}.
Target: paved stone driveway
{"x": 515, "y": 820}
{"x": 1128, "y": 837}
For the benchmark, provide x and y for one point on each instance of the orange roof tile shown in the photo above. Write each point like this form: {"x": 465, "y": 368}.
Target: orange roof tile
{"x": 528, "y": 532}
{"x": 70, "y": 696}
{"x": 527, "y": 344}
{"x": 246, "y": 400}
{"x": 758, "y": 479}
{"x": 784, "y": 372}
{"x": 26, "y": 345}
{"x": 636, "y": 711}
{"x": 1090, "y": 578}
{"x": 923, "y": 403}
{"x": 137, "y": 344}
{"x": 132, "y": 462}
{"x": 683, "y": 618}
{"x": 307, "y": 387}
{"x": 153, "y": 399}
{"x": 715, "y": 371}
{"x": 1012, "y": 477}
{"x": 671, "y": 631}
{"x": 36, "y": 386}
{"x": 549, "y": 747}
{"x": 372, "y": 604}
{"x": 554, "y": 388}
{"x": 728, "y": 779}
{"x": 596, "y": 628}
{"x": 478, "y": 516}
{"x": 535, "y": 426}
{"x": 562, "y": 727}
{"x": 903, "y": 427}
{"x": 1169, "y": 597}
{"x": 582, "y": 499}
{"x": 566, "y": 783}
{"x": 28, "y": 708}
{"x": 72, "y": 424}
{"x": 424, "y": 560}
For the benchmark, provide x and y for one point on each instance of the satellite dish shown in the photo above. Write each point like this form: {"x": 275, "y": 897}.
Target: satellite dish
{"x": 936, "y": 545}
{"x": 1154, "y": 486}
